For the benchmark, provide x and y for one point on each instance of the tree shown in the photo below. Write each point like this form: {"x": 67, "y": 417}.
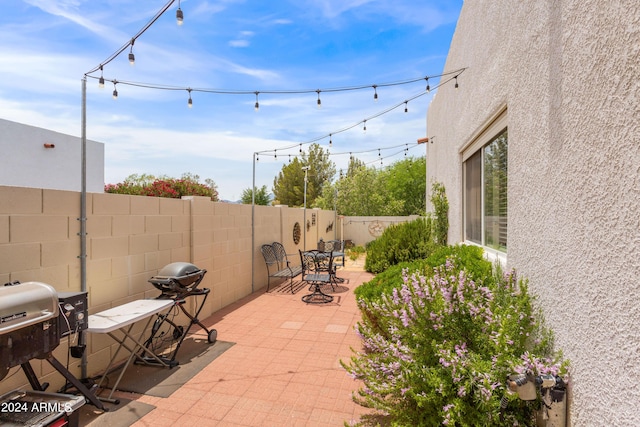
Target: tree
{"x": 366, "y": 191}
{"x": 288, "y": 186}
{"x": 406, "y": 181}
{"x": 261, "y": 198}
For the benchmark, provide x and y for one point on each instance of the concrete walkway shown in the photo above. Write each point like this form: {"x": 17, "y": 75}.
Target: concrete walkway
{"x": 284, "y": 369}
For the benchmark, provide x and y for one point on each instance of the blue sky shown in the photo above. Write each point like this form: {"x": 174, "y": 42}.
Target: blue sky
{"x": 46, "y": 47}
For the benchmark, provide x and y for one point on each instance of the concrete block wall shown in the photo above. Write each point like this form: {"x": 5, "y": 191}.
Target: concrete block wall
{"x": 363, "y": 229}
{"x": 129, "y": 239}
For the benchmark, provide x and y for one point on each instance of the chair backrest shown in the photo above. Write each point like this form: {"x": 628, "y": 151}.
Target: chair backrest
{"x": 280, "y": 254}
{"x": 315, "y": 261}
{"x": 269, "y": 254}
{"x": 336, "y": 245}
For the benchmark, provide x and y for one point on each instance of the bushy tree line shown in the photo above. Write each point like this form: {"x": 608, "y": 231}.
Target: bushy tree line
{"x": 397, "y": 190}
{"x": 362, "y": 190}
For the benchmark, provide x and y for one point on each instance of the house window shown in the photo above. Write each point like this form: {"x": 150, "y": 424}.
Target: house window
{"x": 485, "y": 187}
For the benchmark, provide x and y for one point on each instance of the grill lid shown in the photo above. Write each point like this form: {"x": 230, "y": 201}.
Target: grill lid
{"x": 26, "y": 304}
{"x": 178, "y": 277}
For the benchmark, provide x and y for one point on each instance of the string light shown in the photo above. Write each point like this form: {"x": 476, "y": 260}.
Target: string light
{"x": 101, "y": 81}
{"x": 115, "y": 91}
{"x": 375, "y": 93}
{"x": 287, "y": 91}
{"x": 179, "y": 15}
{"x": 406, "y": 107}
{"x": 365, "y": 126}
{"x": 405, "y": 102}
{"x": 330, "y": 141}
{"x": 428, "y": 88}
{"x": 132, "y": 57}
{"x": 190, "y": 101}
{"x": 456, "y": 85}
{"x": 257, "y": 106}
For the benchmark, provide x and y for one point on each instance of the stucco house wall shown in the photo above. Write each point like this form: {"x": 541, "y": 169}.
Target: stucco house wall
{"x": 568, "y": 74}
{"x": 56, "y": 166}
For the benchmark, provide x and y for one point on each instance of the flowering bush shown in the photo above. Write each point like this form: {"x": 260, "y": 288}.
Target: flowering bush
{"x": 148, "y": 185}
{"x": 437, "y": 351}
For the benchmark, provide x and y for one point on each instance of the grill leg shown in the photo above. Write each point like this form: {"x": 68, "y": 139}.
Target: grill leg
{"x": 76, "y": 383}
{"x": 32, "y": 377}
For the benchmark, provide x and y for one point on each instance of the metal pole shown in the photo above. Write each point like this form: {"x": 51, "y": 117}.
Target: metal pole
{"x": 253, "y": 234}
{"x": 83, "y": 214}
{"x": 304, "y": 239}
{"x": 335, "y": 215}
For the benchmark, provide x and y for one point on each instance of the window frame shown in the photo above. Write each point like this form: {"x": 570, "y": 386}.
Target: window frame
{"x": 493, "y": 127}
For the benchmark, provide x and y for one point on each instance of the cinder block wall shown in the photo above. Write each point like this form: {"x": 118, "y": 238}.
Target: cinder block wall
{"x": 129, "y": 239}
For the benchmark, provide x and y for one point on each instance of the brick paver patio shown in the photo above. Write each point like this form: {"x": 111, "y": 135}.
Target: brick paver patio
{"x": 283, "y": 370}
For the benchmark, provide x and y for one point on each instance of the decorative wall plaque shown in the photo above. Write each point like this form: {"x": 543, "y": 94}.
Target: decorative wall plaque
{"x": 376, "y": 228}
{"x": 296, "y": 233}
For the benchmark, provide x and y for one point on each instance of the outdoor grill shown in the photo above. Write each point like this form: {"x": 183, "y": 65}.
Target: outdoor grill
{"x": 177, "y": 281}
{"x": 29, "y": 329}
{"x": 28, "y": 323}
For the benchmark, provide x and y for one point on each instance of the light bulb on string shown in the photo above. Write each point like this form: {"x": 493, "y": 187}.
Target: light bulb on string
{"x": 275, "y": 154}
{"x": 456, "y": 85}
{"x": 115, "y": 90}
{"x": 257, "y": 106}
{"x": 132, "y": 57}
{"x": 257, "y": 158}
{"x": 300, "y": 149}
{"x": 319, "y": 102}
{"x": 364, "y": 128}
{"x": 375, "y": 92}
{"x": 190, "y": 101}
{"x": 179, "y": 15}
{"x": 330, "y": 141}
{"x": 101, "y": 81}
{"x": 406, "y": 107}
{"x": 428, "y": 88}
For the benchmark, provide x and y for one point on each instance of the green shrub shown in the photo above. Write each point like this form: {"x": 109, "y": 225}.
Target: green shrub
{"x": 441, "y": 213}
{"x": 354, "y": 252}
{"x": 398, "y": 243}
{"x": 468, "y": 256}
{"x": 437, "y": 351}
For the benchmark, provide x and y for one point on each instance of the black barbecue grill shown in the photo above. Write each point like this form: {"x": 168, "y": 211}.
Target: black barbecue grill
{"x": 29, "y": 329}
{"x": 176, "y": 281}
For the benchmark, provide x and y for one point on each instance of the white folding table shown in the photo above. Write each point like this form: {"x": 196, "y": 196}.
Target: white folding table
{"x": 122, "y": 318}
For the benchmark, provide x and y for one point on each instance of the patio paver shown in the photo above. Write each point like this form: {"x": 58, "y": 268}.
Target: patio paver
{"x": 284, "y": 369}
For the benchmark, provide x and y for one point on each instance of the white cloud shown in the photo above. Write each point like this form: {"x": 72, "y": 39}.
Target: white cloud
{"x": 239, "y": 43}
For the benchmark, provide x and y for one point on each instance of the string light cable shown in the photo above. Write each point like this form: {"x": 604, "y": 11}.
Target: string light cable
{"x": 131, "y": 41}
{"x": 157, "y": 86}
{"x": 405, "y": 150}
{"x": 453, "y": 76}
